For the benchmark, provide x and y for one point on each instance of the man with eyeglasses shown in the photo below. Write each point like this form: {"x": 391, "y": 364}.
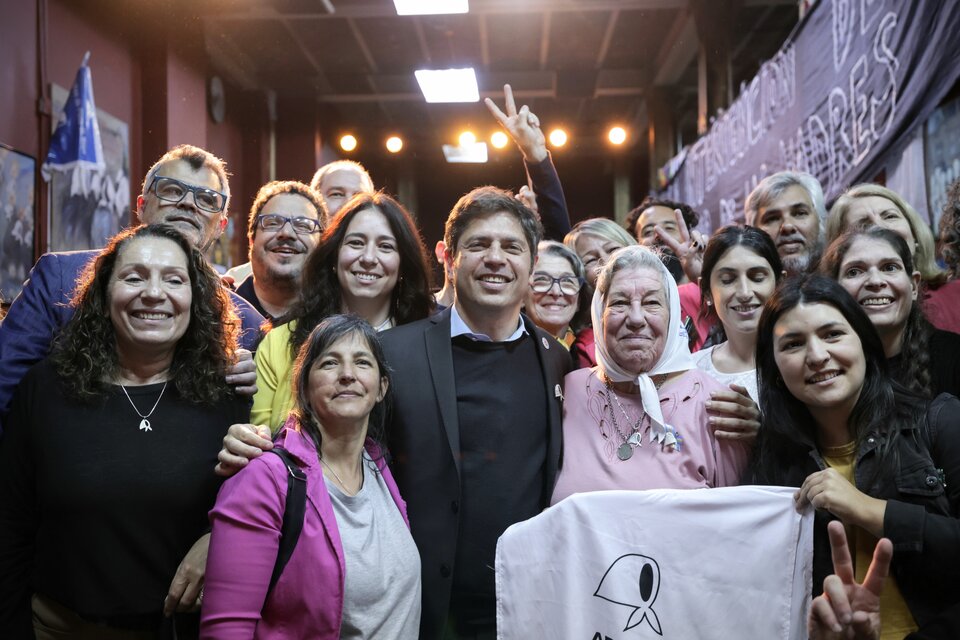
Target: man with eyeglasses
{"x": 186, "y": 188}
{"x": 285, "y": 226}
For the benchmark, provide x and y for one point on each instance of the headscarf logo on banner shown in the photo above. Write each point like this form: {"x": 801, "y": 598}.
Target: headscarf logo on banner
{"x": 619, "y": 586}
{"x": 664, "y": 563}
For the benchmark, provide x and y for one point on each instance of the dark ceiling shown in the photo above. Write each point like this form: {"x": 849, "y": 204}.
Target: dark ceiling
{"x": 581, "y": 64}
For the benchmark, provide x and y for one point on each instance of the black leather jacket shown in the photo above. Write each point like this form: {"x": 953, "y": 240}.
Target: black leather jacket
{"x": 923, "y": 506}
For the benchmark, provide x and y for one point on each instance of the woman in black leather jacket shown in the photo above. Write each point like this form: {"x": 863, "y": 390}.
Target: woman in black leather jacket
{"x": 861, "y": 448}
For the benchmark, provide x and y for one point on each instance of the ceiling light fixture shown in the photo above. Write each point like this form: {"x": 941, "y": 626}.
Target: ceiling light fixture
{"x": 394, "y": 144}
{"x": 430, "y": 7}
{"x": 499, "y": 139}
{"x": 474, "y": 153}
{"x": 467, "y": 138}
{"x": 348, "y": 142}
{"x": 617, "y": 135}
{"x": 448, "y": 85}
{"x": 558, "y": 137}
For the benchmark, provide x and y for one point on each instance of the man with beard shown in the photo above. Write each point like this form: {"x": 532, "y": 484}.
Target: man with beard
{"x": 653, "y": 213}
{"x": 789, "y": 206}
{"x": 284, "y": 227}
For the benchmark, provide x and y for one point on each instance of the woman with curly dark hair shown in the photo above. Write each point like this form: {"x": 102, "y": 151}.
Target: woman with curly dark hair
{"x": 863, "y": 449}
{"x": 876, "y": 267}
{"x": 370, "y": 262}
{"x": 106, "y": 466}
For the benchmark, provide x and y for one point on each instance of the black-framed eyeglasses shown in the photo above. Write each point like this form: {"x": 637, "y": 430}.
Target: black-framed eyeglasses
{"x": 300, "y": 224}
{"x": 543, "y": 282}
{"x": 173, "y": 190}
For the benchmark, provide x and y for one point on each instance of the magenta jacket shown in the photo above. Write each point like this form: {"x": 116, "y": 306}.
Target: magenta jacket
{"x": 307, "y": 601}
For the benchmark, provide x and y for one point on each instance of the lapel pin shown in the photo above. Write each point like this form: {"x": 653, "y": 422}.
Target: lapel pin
{"x": 558, "y": 392}
{"x": 546, "y": 343}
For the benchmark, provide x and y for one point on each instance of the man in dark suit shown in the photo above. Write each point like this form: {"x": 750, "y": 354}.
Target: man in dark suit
{"x": 475, "y": 427}
{"x": 186, "y": 188}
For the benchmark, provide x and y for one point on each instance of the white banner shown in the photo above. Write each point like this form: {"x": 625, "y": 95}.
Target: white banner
{"x": 721, "y": 563}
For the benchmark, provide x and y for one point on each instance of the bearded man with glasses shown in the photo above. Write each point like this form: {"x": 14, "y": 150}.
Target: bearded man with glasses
{"x": 187, "y": 188}
{"x": 285, "y": 226}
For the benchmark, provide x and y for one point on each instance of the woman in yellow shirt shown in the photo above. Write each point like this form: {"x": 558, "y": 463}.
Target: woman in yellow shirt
{"x": 863, "y": 449}
{"x": 371, "y": 262}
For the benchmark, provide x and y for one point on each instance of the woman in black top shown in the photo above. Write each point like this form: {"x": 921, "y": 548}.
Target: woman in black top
{"x": 862, "y": 449}
{"x": 106, "y": 464}
{"x": 876, "y": 268}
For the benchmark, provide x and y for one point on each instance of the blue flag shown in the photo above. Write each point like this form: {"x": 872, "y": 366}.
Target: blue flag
{"x": 76, "y": 141}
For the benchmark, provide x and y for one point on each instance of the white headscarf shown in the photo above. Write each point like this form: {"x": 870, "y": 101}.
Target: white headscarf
{"x": 676, "y": 352}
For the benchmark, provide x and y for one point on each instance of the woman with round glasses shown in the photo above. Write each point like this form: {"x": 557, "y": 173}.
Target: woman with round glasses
{"x": 370, "y": 262}
{"x": 554, "y": 303}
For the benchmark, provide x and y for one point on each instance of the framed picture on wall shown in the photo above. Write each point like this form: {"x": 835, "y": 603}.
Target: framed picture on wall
{"x": 17, "y": 202}
{"x": 86, "y": 221}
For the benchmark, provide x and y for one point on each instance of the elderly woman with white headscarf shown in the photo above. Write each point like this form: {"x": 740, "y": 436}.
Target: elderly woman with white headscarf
{"x": 638, "y": 420}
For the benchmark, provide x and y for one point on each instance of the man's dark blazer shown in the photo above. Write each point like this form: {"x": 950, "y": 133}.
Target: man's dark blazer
{"x": 43, "y": 307}
{"x": 424, "y": 439}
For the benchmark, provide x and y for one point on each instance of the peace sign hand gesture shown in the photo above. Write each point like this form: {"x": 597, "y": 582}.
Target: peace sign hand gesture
{"x": 846, "y": 609}
{"x": 523, "y": 126}
{"x": 689, "y": 249}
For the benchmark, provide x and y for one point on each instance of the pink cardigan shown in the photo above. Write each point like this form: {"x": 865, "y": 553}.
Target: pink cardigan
{"x": 307, "y": 601}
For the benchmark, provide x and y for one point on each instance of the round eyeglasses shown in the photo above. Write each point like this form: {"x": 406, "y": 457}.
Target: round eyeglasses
{"x": 173, "y": 190}
{"x": 543, "y": 283}
{"x": 300, "y": 224}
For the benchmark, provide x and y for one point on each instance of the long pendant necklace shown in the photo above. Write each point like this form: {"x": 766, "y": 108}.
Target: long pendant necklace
{"x": 628, "y": 442}
{"x": 144, "y": 422}
{"x": 337, "y": 475}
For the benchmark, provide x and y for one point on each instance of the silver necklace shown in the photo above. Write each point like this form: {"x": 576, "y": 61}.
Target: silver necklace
{"x": 628, "y": 443}
{"x": 337, "y": 475}
{"x": 144, "y": 422}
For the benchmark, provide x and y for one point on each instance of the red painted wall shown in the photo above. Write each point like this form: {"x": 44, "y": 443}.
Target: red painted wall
{"x": 153, "y": 81}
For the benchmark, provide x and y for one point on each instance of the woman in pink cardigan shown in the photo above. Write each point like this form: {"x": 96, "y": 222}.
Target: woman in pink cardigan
{"x": 355, "y": 571}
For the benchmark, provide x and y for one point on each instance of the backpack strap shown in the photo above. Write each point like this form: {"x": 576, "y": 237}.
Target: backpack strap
{"x": 293, "y": 513}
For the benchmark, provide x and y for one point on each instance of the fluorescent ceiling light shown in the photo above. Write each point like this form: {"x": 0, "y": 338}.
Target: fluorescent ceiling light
{"x": 476, "y": 152}
{"x": 448, "y": 85}
{"x": 428, "y": 7}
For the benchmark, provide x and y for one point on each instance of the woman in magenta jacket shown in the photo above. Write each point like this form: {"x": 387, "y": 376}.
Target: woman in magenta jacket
{"x": 355, "y": 571}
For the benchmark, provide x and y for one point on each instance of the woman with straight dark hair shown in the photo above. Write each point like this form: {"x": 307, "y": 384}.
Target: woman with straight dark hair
{"x": 861, "y": 448}
{"x": 741, "y": 268}
{"x": 875, "y": 266}
{"x": 370, "y": 262}
{"x": 355, "y": 570}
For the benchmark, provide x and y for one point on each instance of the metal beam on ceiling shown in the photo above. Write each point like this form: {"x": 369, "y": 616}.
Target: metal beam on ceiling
{"x": 379, "y": 9}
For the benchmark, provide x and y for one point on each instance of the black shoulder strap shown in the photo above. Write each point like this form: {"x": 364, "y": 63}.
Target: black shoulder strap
{"x": 293, "y": 513}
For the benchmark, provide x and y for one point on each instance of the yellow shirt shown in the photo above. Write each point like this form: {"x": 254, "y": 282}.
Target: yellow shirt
{"x": 274, "y": 398}
{"x": 895, "y": 618}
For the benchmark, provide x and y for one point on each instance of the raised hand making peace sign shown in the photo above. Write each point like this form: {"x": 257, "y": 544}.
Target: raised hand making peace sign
{"x": 523, "y": 126}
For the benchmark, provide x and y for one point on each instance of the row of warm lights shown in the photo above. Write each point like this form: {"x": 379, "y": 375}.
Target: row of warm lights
{"x": 557, "y": 138}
